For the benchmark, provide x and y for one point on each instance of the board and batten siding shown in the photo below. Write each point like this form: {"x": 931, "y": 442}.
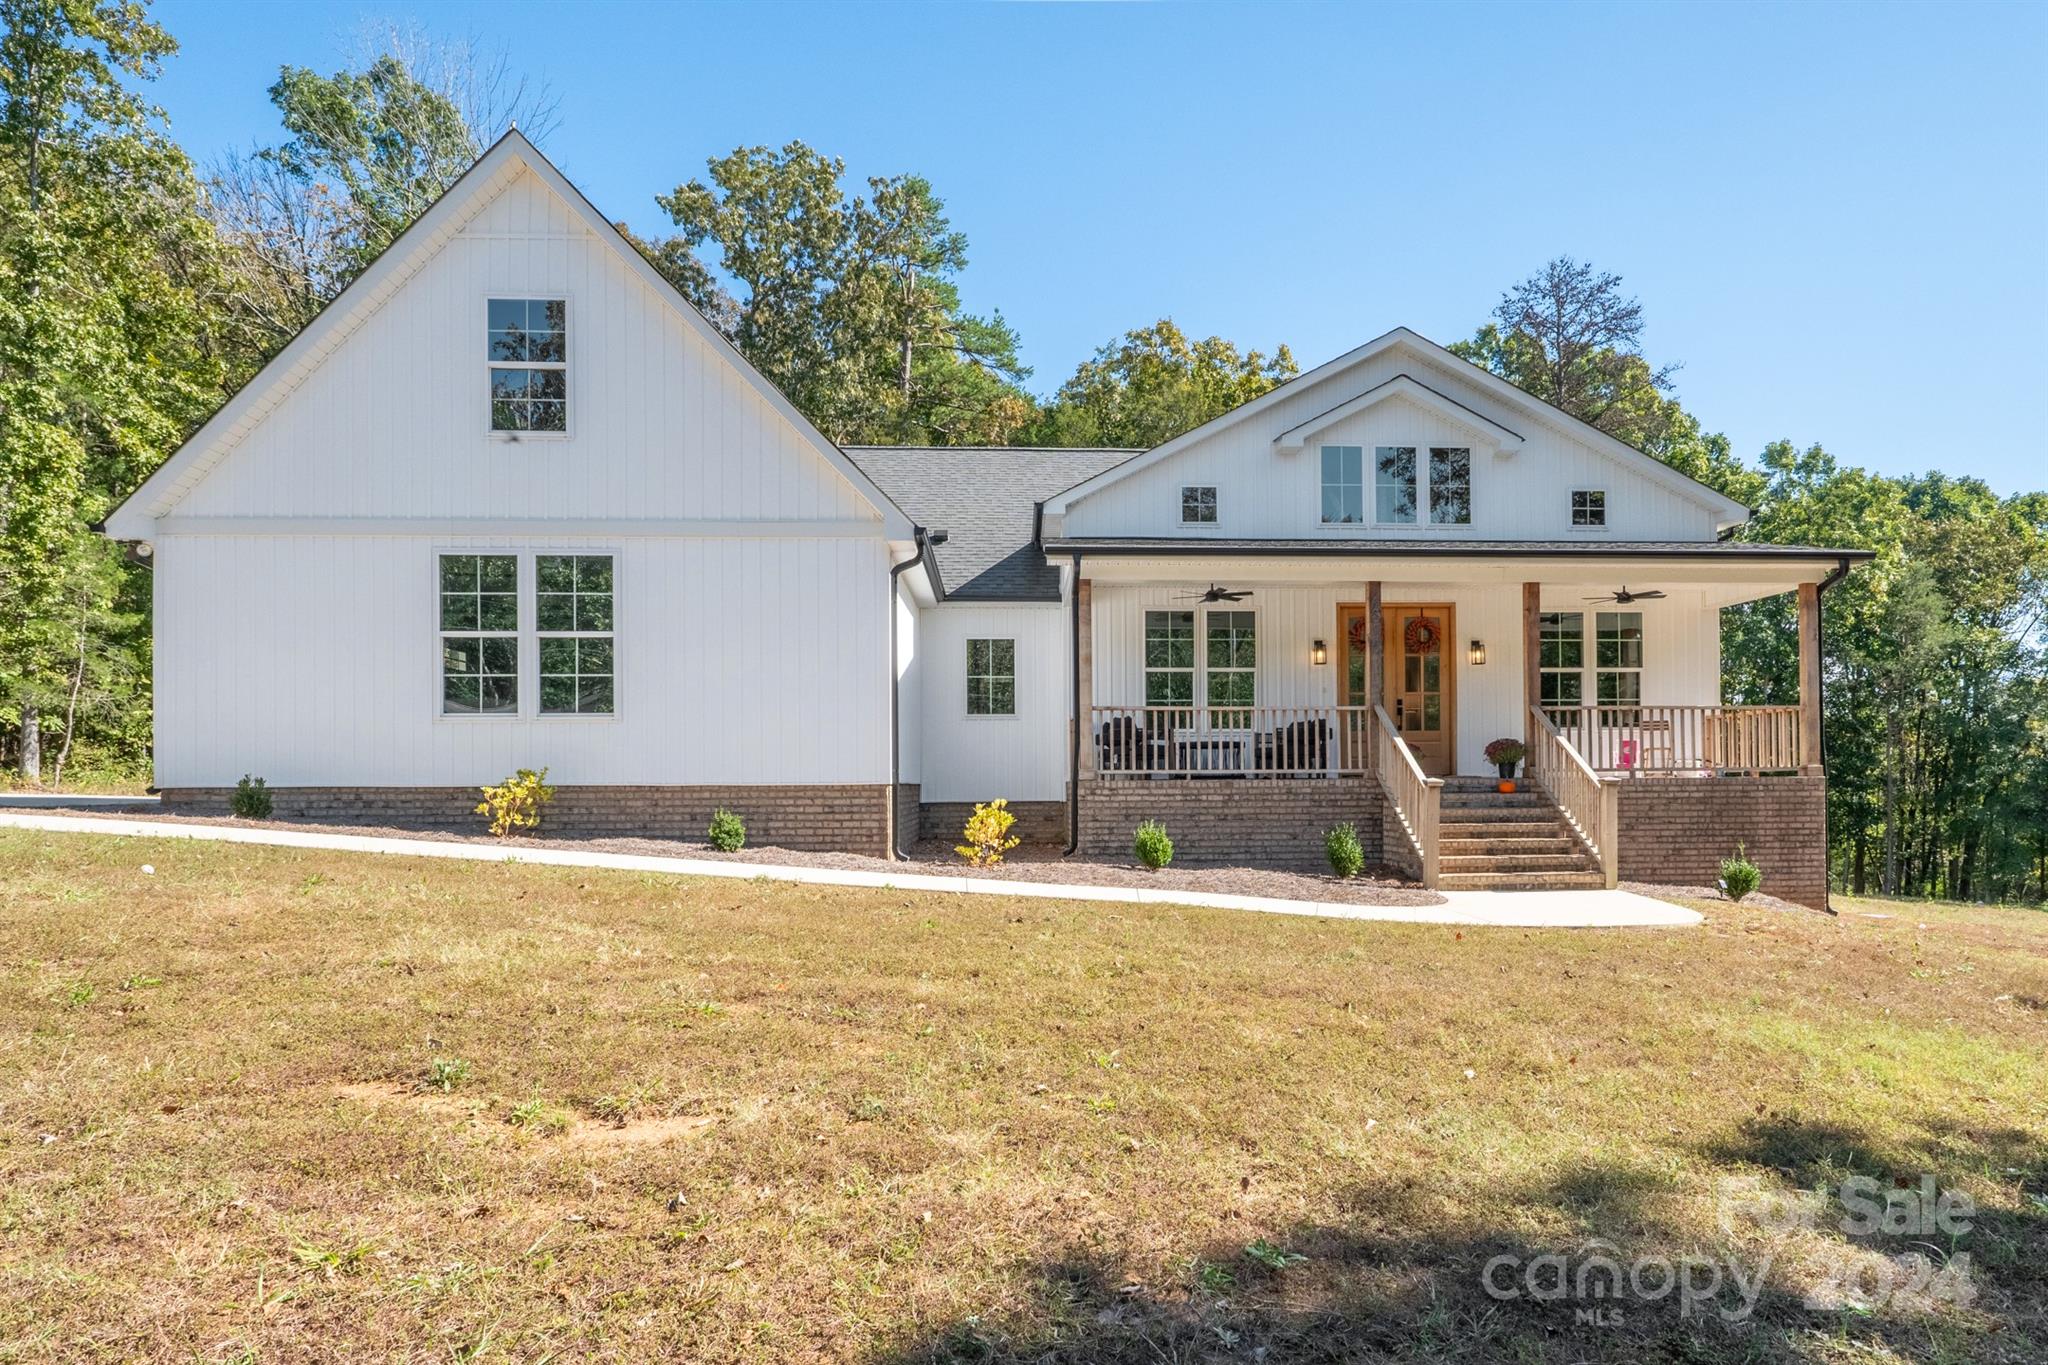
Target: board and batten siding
{"x": 315, "y": 661}
{"x": 1682, "y": 658}
{"x": 1262, "y": 492}
{"x": 979, "y": 758}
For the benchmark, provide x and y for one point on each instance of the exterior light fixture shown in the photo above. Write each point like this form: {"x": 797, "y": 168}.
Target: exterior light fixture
{"x": 1477, "y": 653}
{"x": 1318, "y": 655}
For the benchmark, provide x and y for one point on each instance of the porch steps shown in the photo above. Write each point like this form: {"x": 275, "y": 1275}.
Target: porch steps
{"x": 1490, "y": 840}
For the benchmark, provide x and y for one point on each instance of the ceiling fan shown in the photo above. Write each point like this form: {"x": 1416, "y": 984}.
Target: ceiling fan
{"x": 1624, "y": 597}
{"x": 1216, "y": 594}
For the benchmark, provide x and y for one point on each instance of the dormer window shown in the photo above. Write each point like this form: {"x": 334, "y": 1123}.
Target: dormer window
{"x": 1589, "y": 509}
{"x": 1198, "y": 505}
{"x": 528, "y": 349}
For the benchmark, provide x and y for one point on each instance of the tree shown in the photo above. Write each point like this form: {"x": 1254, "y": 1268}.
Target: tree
{"x": 1152, "y": 385}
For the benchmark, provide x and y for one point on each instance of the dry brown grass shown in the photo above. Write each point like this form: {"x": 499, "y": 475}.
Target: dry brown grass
{"x": 767, "y": 1122}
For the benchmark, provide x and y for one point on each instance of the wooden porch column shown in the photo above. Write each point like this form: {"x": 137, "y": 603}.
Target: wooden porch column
{"x": 1809, "y": 679}
{"x": 1532, "y": 658}
{"x": 1084, "y": 717}
{"x": 1375, "y": 668}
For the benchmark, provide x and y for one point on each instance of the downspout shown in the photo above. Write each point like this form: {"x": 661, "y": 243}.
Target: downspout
{"x": 1820, "y": 701}
{"x": 896, "y": 571}
{"x": 1074, "y": 730}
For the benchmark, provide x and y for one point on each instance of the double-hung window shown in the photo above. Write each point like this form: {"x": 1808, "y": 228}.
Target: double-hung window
{"x": 1169, "y": 658}
{"x": 1450, "y": 486}
{"x": 573, "y": 617}
{"x": 992, "y": 677}
{"x": 528, "y": 349}
{"x": 1343, "y": 485}
{"x": 479, "y": 619}
{"x": 1231, "y": 666}
{"x": 1561, "y": 661}
{"x": 1394, "y": 485}
{"x": 1618, "y": 662}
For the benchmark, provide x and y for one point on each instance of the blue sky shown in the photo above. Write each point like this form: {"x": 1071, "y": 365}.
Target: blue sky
{"x": 1836, "y": 216}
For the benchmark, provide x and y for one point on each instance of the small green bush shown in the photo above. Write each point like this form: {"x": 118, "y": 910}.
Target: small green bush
{"x": 251, "y": 800}
{"x": 1341, "y": 847}
{"x": 1740, "y": 876}
{"x": 1152, "y": 846}
{"x": 728, "y": 833}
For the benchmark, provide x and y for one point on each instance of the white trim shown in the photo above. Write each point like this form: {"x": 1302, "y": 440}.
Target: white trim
{"x": 137, "y": 515}
{"x": 515, "y": 436}
{"x": 1403, "y": 386}
{"x": 967, "y": 683}
{"x": 527, "y": 636}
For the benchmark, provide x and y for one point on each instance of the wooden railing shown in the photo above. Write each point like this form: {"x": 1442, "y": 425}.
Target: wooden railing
{"x": 1681, "y": 739}
{"x": 1592, "y": 806}
{"x": 1417, "y": 798}
{"x": 1252, "y": 741}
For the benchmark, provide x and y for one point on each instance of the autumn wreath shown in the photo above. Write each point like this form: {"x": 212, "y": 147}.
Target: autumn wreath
{"x": 1421, "y": 636}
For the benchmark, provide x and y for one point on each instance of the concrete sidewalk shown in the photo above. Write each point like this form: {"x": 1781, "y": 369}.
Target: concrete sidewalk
{"x": 1507, "y": 909}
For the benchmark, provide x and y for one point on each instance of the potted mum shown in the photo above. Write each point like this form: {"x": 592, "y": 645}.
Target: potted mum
{"x": 1506, "y": 754}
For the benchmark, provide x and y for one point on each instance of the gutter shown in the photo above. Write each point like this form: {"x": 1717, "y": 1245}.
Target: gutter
{"x": 1074, "y": 730}
{"x": 896, "y": 571}
{"x": 1820, "y": 700}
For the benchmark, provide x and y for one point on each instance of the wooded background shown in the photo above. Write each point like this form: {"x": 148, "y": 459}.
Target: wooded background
{"x": 138, "y": 291}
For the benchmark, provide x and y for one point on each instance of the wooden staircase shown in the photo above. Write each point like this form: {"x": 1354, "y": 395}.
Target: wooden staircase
{"x": 1519, "y": 841}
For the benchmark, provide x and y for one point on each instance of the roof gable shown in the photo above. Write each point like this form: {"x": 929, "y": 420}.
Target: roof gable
{"x": 509, "y": 158}
{"x": 1410, "y": 389}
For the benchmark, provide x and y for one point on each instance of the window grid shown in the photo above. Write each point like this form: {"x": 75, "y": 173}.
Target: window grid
{"x": 1394, "y": 485}
{"x": 992, "y": 677}
{"x": 479, "y": 627}
{"x": 1343, "y": 485}
{"x": 1618, "y": 664}
{"x": 528, "y": 350}
{"x": 1589, "y": 507}
{"x": 1198, "y": 505}
{"x": 1231, "y": 666}
{"x": 1169, "y": 658}
{"x": 573, "y": 617}
{"x": 1561, "y": 661}
{"x": 1450, "y": 486}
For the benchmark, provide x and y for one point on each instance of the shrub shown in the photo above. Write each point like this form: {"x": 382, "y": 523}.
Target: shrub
{"x": 1740, "y": 876}
{"x": 728, "y": 833}
{"x": 987, "y": 834}
{"x": 515, "y": 804}
{"x": 251, "y": 800}
{"x": 1341, "y": 847}
{"x": 1152, "y": 846}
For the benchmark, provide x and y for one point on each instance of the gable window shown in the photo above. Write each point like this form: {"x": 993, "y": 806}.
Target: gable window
{"x": 1198, "y": 506}
{"x": 528, "y": 350}
{"x": 991, "y": 677}
{"x": 1343, "y": 485}
{"x": 1618, "y": 660}
{"x": 479, "y": 635}
{"x": 1394, "y": 485}
{"x": 1589, "y": 507}
{"x": 1231, "y": 666}
{"x": 1169, "y": 658}
{"x": 1561, "y": 660}
{"x": 573, "y": 617}
{"x": 1450, "y": 486}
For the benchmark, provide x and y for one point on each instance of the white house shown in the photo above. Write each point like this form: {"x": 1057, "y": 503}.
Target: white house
{"x": 511, "y": 502}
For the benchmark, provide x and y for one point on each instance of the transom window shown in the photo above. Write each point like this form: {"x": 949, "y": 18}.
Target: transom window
{"x": 1450, "y": 486}
{"x": 573, "y": 616}
{"x": 991, "y": 677}
{"x": 1589, "y": 507}
{"x": 1231, "y": 666}
{"x": 1394, "y": 484}
{"x": 1561, "y": 659}
{"x": 479, "y": 635}
{"x": 1198, "y": 505}
{"x": 528, "y": 350}
{"x": 1343, "y": 485}
{"x": 1169, "y": 658}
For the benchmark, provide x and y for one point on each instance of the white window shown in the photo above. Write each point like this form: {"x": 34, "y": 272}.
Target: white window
{"x": 1343, "y": 485}
{"x": 573, "y": 617}
{"x": 479, "y": 635}
{"x": 528, "y": 349}
{"x": 1231, "y": 666}
{"x": 1618, "y": 658}
{"x": 991, "y": 677}
{"x": 1561, "y": 659}
{"x": 1450, "y": 486}
{"x": 1394, "y": 485}
{"x": 1198, "y": 505}
{"x": 1589, "y": 507}
{"x": 1169, "y": 658}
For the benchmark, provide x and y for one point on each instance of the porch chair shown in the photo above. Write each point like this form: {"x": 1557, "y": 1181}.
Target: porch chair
{"x": 1302, "y": 746}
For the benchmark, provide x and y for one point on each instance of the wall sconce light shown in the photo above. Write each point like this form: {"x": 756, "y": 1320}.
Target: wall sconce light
{"x": 1477, "y": 654}
{"x": 1318, "y": 655}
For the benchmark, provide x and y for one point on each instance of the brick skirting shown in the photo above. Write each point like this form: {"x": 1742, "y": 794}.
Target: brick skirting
{"x": 843, "y": 819}
{"x": 1275, "y": 822}
{"x": 1679, "y": 829}
{"x": 1038, "y": 822}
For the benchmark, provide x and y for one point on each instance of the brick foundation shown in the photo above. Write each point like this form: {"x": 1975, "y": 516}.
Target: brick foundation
{"x": 1678, "y": 830}
{"x": 844, "y": 819}
{"x": 909, "y": 824}
{"x": 1276, "y": 822}
{"x": 1038, "y": 822}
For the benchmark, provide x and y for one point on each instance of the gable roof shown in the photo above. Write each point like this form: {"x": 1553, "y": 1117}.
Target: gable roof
{"x": 1726, "y": 509}
{"x": 506, "y": 159}
{"x": 985, "y": 499}
{"x": 1415, "y": 391}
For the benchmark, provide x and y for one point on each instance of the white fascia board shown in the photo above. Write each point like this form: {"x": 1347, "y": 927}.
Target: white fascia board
{"x": 1416, "y": 392}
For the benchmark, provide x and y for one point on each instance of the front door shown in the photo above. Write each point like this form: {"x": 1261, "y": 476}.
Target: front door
{"x": 1421, "y": 683}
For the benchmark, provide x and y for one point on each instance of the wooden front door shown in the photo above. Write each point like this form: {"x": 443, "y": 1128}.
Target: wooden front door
{"x": 1421, "y": 682}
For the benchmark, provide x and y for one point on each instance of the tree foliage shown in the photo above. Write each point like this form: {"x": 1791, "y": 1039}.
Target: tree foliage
{"x": 1154, "y": 383}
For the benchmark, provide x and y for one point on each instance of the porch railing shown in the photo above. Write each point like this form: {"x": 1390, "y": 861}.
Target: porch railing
{"x": 1252, "y": 741}
{"x": 1417, "y": 798}
{"x": 1587, "y": 802}
{"x": 1658, "y": 740}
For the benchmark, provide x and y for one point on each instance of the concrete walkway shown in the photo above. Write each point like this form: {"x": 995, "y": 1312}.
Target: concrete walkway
{"x": 1514, "y": 909}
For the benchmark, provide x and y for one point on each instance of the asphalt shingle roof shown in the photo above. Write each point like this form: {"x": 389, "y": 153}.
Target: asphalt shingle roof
{"x": 984, "y": 498}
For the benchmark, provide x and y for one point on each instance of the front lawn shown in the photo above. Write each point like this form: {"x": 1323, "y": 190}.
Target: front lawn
{"x": 277, "y": 1105}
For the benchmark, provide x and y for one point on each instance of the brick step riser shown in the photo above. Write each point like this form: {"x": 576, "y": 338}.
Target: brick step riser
{"x": 1519, "y": 829}
{"x": 1535, "y": 862}
{"x": 1520, "y": 881}
{"x": 1510, "y": 848}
